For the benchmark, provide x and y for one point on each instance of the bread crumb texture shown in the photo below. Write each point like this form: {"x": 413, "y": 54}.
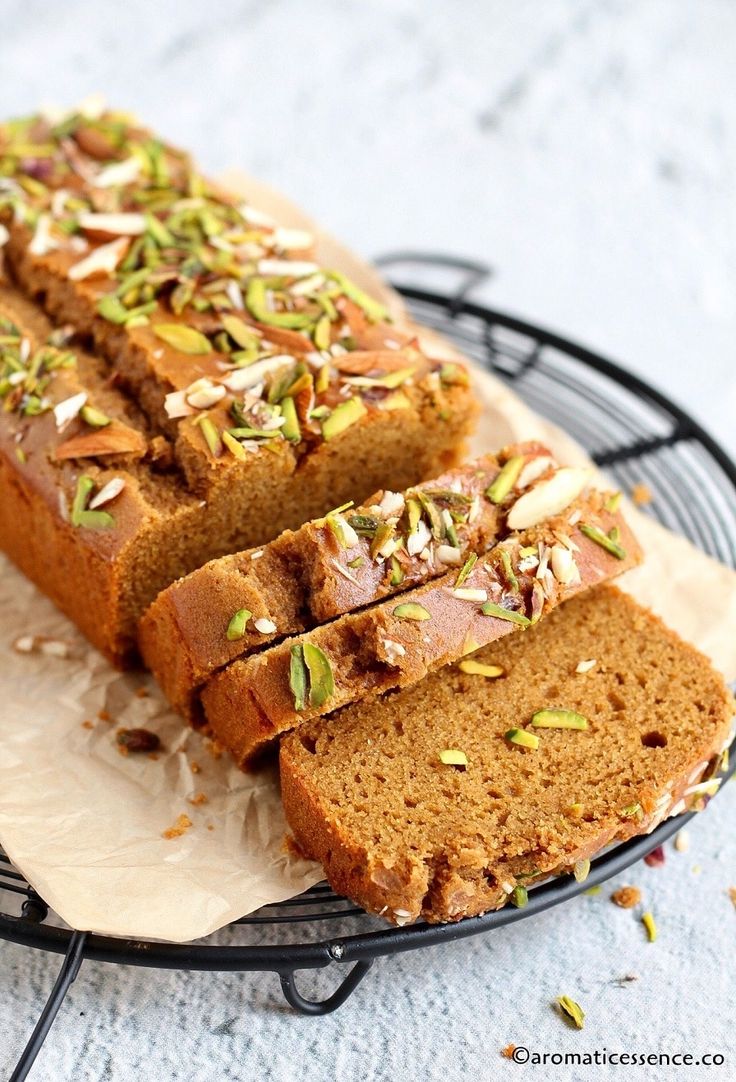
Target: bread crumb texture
{"x": 407, "y": 836}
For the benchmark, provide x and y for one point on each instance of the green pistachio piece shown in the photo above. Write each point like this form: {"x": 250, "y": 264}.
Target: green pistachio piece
{"x": 342, "y": 417}
{"x": 508, "y": 571}
{"x": 581, "y": 871}
{"x": 211, "y": 435}
{"x": 321, "y": 678}
{"x": 412, "y": 611}
{"x": 382, "y": 536}
{"x": 96, "y": 520}
{"x": 93, "y": 417}
{"x": 490, "y": 608}
{"x": 647, "y": 920}
{"x": 477, "y": 668}
{"x": 364, "y": 525}
{"x": 391, "y": 381}
{"x": 632, "y": 811}
{"x": 432, "y": 513}
{"x": 454, "y": 375}
{"x": 85, "y": 485}
{"x": 397, "y": 573}
{"x": 112, "y": 309}
{"x": 243, "y": 335}
{"x": 255, "y": 299}
{"x": 572, "y": 1010}
{"x": 453, "y": 757}
{"x": 465, "y": 570}
{"x": 506, "y": 479}
{"x": 234, "y": 447}
{"x": 375, "y": 312}
{"x": 553, "y": 718}
{"x": 321, "y": 333}
{"x": 519, "y": 897}
{"x": 182, "y": 338}
{"x": 522, "y": 738}
{"x": 597, "y": 535}
{"x": 298, "y": 677}
{"x": 290, "y": 430}
{"x": 236, "y": 627}
{"x": 613, "y": 503}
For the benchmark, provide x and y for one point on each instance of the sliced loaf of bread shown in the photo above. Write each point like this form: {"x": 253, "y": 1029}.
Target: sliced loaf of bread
{"x": 332, "y": 565}
{"x": 443, "y": 800}
{"x": 397, "y": 642}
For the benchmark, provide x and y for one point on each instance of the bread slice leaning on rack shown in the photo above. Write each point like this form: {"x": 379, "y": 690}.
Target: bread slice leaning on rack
{"x": 352, "y": 557}
{"x": 451, "y": 797}
{"x": 398, "y": 641}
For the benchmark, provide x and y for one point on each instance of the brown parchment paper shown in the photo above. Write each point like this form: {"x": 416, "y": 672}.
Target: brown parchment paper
{"x": 84, "y": 824}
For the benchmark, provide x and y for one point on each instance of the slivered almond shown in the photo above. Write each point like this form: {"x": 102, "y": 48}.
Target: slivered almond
{"x": 362, "y": 361}
{"x": 115, "y": 439}
{"x": 548, "y": 498}
{"x": 102, "y": 260}
{"x": 534, "y": 469}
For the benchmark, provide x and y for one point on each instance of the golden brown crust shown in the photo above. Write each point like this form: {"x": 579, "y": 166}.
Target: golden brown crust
{"x": 406, "y": 836}
{"x": 324, "y": 569}
{"x": 397, "y": 642}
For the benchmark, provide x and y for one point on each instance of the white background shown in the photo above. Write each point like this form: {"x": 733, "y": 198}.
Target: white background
{"x": 588, "y": 151}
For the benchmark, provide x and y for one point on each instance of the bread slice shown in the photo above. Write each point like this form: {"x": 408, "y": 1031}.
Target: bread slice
{"x": 407, "y": 835}
{"x": 397, "y": 642}
{"x": 331, "y": 566}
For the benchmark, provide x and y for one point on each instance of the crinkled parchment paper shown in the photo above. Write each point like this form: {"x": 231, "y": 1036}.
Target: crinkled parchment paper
{"x": 85, "y": 824}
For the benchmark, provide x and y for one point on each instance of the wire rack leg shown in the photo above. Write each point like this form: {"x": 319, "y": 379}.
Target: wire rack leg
{"x": 67, "y": 974}
{"x": 310, "y": 1006}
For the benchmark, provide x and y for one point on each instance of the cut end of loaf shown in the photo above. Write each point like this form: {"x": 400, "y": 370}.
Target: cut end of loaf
{"x": 408, "y": 836}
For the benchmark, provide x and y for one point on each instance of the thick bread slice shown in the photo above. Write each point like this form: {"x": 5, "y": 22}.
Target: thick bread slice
{"x": 328, "y": 567}
{"x": 406, "y": 836}
{"x": 397, "y": 642}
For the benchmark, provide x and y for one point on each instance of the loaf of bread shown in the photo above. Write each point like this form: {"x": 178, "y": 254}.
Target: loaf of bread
{"x": 262, "y": 386}
{"x": 395, "y": 643}
{"x": 333, "y": 565}
{"x": 448, "y": 798}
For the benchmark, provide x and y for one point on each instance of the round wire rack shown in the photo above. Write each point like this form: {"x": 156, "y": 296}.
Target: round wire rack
{"x": 629, "y": 428}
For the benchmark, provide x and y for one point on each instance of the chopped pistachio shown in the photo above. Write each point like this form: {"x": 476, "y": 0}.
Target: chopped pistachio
{"x": 508, "y": 571}
{"x": 523, "y": 738}
{"x": 465, "y": 570}
{"x": 391, "y": 381}
{"x": 211, "y": 435}
{"x": 298, "y": 677}
{"x": 80, "y": 516}
{"x": 322, "y": 381}
{"x": 243, "y": 335}
{"x": 182, "y": 338}
{"x": 384, "y": 533}
{"x": 454, "y": 375}
{"x": 453, "y": 757}
{"x": 321, "y": 678}
{"x": 93, "y": 417}
{"x": 553, "y": 718}
{"x": 505, "y": 480}
{"x": 490, "y": 608}
{"x": 595, "y": 889}
{"x": 572, "y": 1010}
{"x": 477, "y": 668}
{"x": 237, "y": 625}
{"x": 397, "y": 572}
{"x": 613, "y": 503}
{"x": 343, "y": 532}
{"x": 647, "y": 920}
{"x": 632, "y": 811}
{"x": 375, "y": 312}
{"x": 290, "y": 430}
{"x": 614, "y": 534}
{"x": 519, "y": 896}
{"x": 412, "y": 611}
{"x": 357, "y": 562}
{"x": 233, "y": 446}
{"x": 342, "y": 417}
{"x": 255, "y": 299}
{"x": 595, "y": 534}
{"x": 321, "y": 333}
{"x": 20, "y": 455}
{"x": 581, "y": 871}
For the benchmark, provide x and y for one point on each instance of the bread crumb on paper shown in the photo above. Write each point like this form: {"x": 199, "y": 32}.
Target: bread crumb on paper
{"x": 626, "y": 897}
{"x": 181, "y": 826}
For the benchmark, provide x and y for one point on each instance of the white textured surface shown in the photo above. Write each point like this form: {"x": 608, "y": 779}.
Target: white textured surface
{"x": 587, "y": 150}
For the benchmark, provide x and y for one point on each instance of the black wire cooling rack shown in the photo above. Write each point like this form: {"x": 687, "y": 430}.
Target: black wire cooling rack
{"x": 632, "y": 430}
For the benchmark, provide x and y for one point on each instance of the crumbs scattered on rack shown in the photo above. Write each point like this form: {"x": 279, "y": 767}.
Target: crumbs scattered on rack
{"x": 626, "y": 897}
